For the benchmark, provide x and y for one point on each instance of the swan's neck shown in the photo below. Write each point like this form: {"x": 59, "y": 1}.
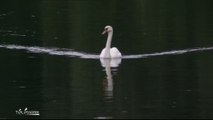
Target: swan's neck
{"x": 109, "y": 40}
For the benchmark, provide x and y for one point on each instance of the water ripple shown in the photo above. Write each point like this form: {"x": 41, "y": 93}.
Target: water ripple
{"x": 73, "y": 53}
{"x": 172, "y": 52}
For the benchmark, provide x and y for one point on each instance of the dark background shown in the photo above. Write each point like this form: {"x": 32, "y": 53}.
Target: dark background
{"x": 177, "y": 86}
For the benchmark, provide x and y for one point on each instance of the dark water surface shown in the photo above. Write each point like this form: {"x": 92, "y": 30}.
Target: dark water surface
{"x": 49, "y": 59}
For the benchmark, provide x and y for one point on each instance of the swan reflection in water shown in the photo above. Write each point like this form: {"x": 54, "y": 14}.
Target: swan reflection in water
{"x": 111, "y": 68}
{"x": 108, "y": 82}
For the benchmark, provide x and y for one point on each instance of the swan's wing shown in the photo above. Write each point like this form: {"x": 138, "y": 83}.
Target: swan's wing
{"x": 115, "y": 53}
{"x": 103, "y": 53}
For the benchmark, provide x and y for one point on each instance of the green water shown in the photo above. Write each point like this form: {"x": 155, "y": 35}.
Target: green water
{"x": 60, "y": 86}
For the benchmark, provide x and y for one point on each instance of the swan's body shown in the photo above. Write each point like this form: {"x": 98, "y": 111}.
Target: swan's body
{"x": 109, "y": 52}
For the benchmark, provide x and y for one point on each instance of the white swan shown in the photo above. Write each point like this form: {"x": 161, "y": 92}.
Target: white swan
{"x": 109, "y": 52}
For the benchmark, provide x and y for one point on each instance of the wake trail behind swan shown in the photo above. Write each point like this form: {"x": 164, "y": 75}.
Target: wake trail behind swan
{"x": 172, "y": 52}
{"x": 51, "y": 51}
{"x": 83, "y": 55}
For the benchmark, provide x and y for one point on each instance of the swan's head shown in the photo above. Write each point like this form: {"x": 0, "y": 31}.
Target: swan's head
{"x": 107, "y": 29}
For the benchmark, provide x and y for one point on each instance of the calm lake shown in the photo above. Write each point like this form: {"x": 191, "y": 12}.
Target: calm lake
{"x": 50, "y": 66}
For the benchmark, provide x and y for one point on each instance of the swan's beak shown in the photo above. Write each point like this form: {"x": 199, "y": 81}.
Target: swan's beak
{"x": 104, "y": 32}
